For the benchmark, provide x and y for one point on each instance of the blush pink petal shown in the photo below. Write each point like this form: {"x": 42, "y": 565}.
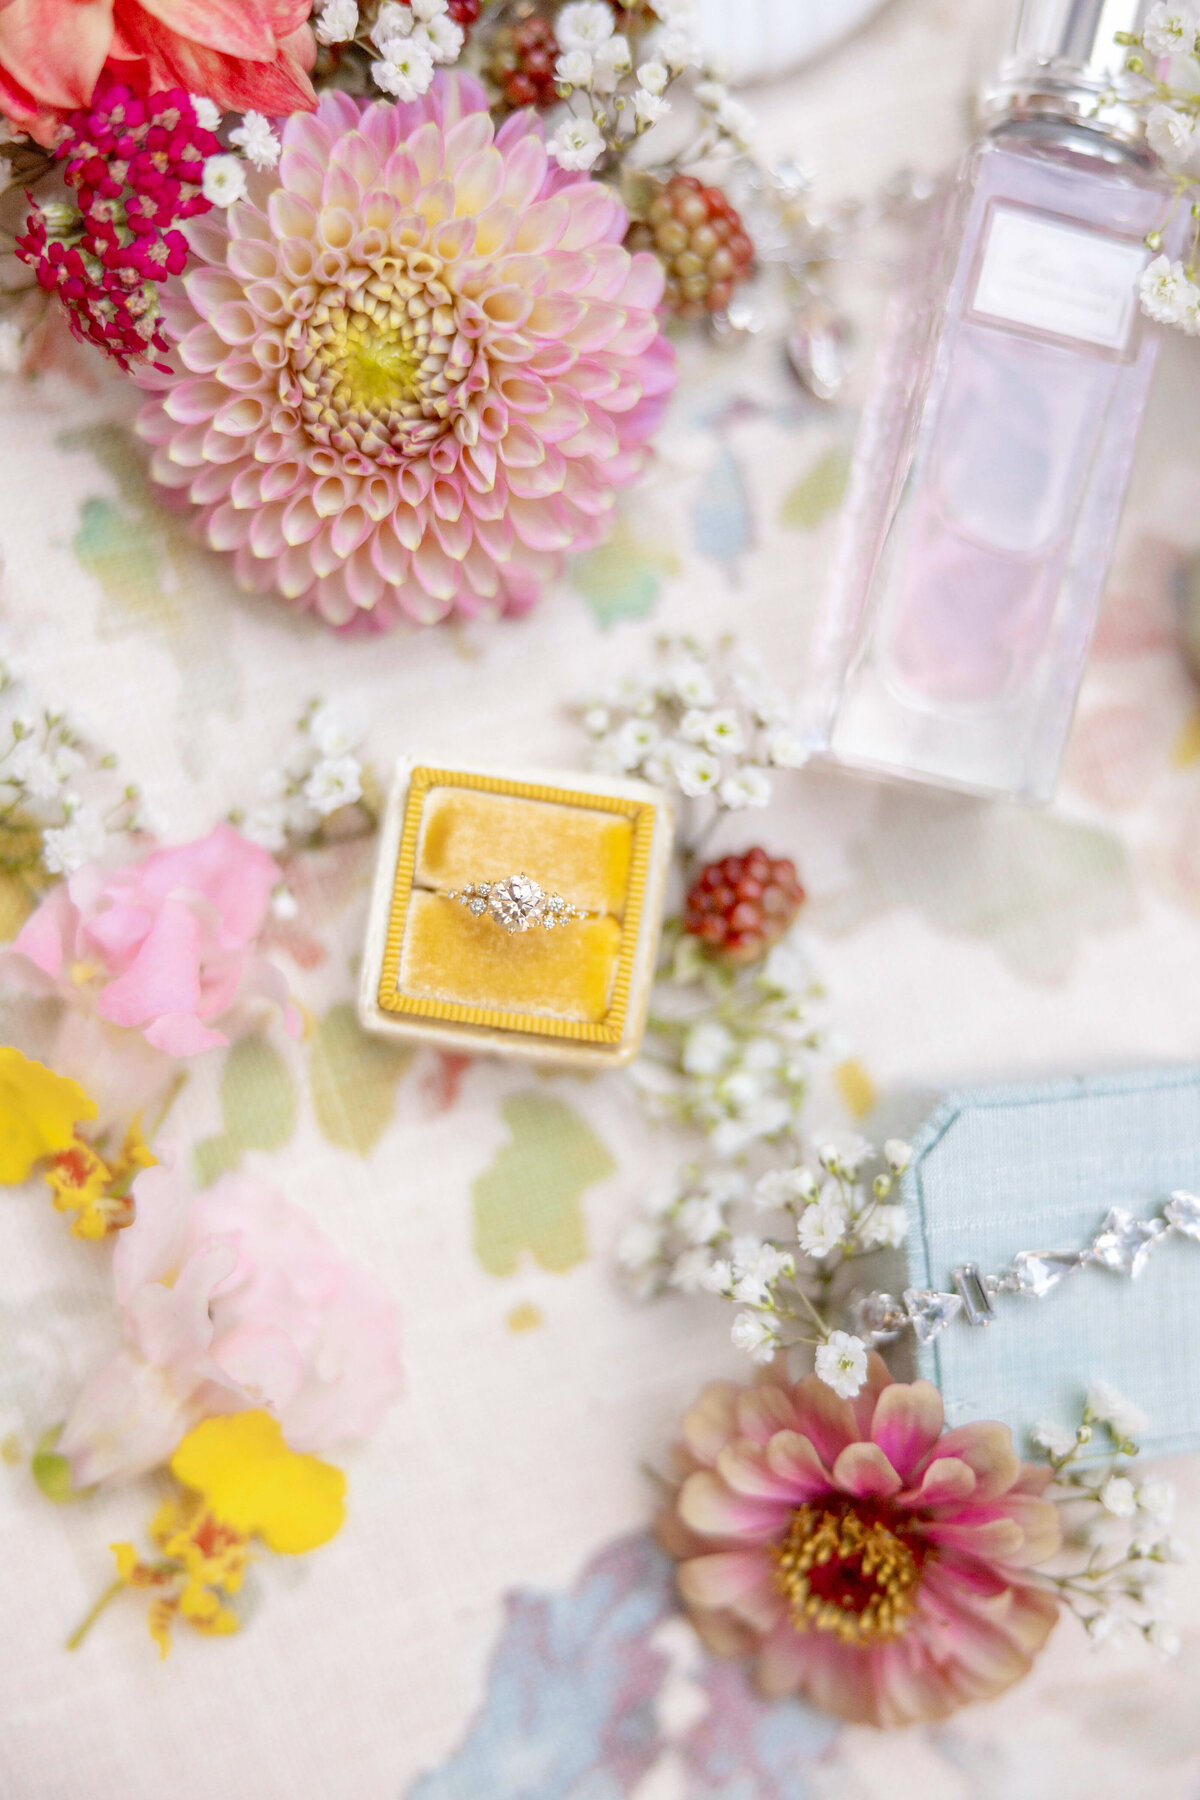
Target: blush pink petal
{"x": 907, "y": 1423}
{"x": 864, "y": 1471}
{"x": 988, "y": 1450}
{"x": 708, "y": 1506}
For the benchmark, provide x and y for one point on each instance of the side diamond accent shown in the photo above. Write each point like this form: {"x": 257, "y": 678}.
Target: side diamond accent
{"x": 929, "y": 1313}
{"x": 1124, "y": 1243}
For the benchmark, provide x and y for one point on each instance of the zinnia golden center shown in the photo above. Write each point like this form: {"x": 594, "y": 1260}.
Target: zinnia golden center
{"x": 848, "y": 1573}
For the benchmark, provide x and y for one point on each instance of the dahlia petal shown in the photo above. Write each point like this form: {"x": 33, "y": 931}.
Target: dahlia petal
{"x": 300, "y": 173}
{"x": 907, "y": 1423}
{"x": 537, "y": 525}
{"x": 494, "y": 230}
{"x": 421, "y": 606}
{"x": 339, "y": 112}
{"x": 709, "y": 1507}
{"x": 53, "y": 51}
{"x": 594, "y": 215}
{"x": 598, "y": 438}
{"x": 864, "y": 1471}
{"x": 524, "y": 172}
{"x": 363, "y": 580}
{"x": 351, "y": 528}
{"x": 543, "y": 480}
{"x": 643, "y": 285}
{"x": 495, "y": 536}
{"x": 947, "y": 1481}
{"x": 293, "y": 572}
{"x": 988, "y": 1449}
{"x": 480, "y": 574}
{"x": 709, "y": 1423}
{"x": 228, "y": 25}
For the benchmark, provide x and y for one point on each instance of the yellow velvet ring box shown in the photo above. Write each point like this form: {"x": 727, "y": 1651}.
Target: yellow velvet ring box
{"x": 576, "y": 995}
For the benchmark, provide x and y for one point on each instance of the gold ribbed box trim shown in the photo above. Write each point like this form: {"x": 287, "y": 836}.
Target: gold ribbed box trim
{"x": 392, "y": 998}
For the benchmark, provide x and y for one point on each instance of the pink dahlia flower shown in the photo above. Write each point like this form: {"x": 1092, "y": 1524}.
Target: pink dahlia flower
{"x": 232, "y": 1299}
{"x": 241, "y": 53}
{"x": 863, "y": 1556}
{"x": 416, "y": 365}
{"x": 165, "y": 946}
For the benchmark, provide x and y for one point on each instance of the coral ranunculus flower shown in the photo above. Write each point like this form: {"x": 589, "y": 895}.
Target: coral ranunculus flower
{"x": 240, "y": 53}
{"x": 863, "y": 1557}
{"x": 414, "y": 366}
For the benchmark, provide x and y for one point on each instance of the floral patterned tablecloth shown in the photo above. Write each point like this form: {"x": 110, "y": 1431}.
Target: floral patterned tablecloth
{"x": 494, "y": 1622}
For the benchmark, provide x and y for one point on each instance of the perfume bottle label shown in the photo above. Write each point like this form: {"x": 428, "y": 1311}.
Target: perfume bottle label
{"x": 1059, "y": 278}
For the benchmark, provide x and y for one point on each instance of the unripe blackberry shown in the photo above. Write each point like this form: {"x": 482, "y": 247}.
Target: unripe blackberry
{"x": 697, "y": 235}
{"x": 522, "y": 63}
{"x": 743, "y": 904}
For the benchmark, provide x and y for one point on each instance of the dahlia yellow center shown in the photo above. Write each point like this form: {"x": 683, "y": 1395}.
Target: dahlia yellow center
{"x": 848, "y": 1572}
{"x": 378, "y": 367}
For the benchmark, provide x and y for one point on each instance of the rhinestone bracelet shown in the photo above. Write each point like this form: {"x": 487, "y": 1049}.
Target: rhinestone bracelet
{"x": 1122, "y": 1245}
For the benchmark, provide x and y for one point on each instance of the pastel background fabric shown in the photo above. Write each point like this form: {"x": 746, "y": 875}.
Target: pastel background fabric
{"x": 493, "y": 1623}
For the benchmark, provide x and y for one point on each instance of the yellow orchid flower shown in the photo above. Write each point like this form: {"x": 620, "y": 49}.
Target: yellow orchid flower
{"x": 39, "y": 1111}
{"x": 245, "y": 1483}
{"x": 82, "y": 1182}
{"x": 252, "y": 1481}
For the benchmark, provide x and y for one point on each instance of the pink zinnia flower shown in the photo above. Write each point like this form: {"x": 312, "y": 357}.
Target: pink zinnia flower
{"x": 863, "y": 1557}
{"x": 241, "y": 53}
{"x": 165, "y": 946}
{"x": 417, "y": 365}
{"x": 231, "y": 1300}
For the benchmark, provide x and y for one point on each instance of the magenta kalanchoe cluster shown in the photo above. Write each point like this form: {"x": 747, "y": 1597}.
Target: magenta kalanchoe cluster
{"x": 136, "y": 167}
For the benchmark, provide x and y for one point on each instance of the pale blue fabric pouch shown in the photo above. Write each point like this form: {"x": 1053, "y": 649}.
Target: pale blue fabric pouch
{"x": 996, "y": 1171}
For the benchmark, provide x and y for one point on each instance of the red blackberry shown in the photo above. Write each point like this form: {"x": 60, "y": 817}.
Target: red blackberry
{"x": 464, "y": 12}
{"x": 522, "y": 63}
{"x": 742, "y": 905}
{"x": 697, "y": 235}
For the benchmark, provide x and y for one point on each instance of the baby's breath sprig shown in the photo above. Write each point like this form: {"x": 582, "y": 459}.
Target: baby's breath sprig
{"x": 786, "y": 1274}
{"x": 1115, "y": 1537}
{"x": 323, "y": 793}
{"x": 1163, "y": 62}
{"x": 706, "y": 722}
{"x": 59, "y": 800}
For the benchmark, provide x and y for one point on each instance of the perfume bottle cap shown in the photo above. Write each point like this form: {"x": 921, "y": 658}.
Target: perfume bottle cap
{"x": 1063, "y": 64}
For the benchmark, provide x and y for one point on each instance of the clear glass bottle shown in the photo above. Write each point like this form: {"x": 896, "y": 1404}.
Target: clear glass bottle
{"x": 996, "y": 444}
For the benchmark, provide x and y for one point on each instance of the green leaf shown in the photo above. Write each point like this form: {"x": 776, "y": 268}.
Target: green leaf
{"x": 51, "y": 1471}
{"x": 818, "y": 493}
{"x": 354, "y": 1079}
{"x": 529, "y": 1200}
{"x": 258, "y": 1108}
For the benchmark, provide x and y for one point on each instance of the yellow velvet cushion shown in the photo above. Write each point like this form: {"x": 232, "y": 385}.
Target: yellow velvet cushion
{"x": 450, "y": 955}
{"x": 576, "y": 851}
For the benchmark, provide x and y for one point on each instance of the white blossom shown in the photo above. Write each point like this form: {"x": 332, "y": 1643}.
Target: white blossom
{"x": 1169, "y": 30}
{"x": 577, "y": 144}
{"x": 697, "y": 772}
{"x": 1163, "y": 290}
{"x": 884, "y": 1227}
{"x": 745, "y": 787}
{"x": 841, "y": 1363}
{"x": 1106, "y": 1405}
{"x": 427, "y": 11}
{"x": 897, "y": 1155}
{"x": 719, "y": 1277}
{"x": 678, "y": 50}
{"x": 821, "y": 1227}
{"x": 1056, "y": 1440}
{"x": 392, "y": 23}
{"x": 707, "y": 1048}
{"x": 29, "y": 766}
{"x": 711, "y": 94}
{"x": 284, "y": 904}
{"x": 224, "y": 180}
{"x": 337, "y": 22}
{"x": 723, "y": 731}
{"x": 756, "y": 1335}
{"x": 690, "y": 1272}
{"x": 787, "y": 969}
{"x": 208, "y": 114}
{"x": 574, "y": 68}
{"x": 650, "y": 108}
{"x": 442, "y": 37}
{"x": 266, "y": 825}
{"x": 335, "y": 782}
{"x": 66, "y": 848}
{"x": 779, "y": 1186}
{"x": 653, "y": 76}
{"x": 596, "y": 720}
{"x": 786, "y": 748}
{"x": 12, "y": 347}
{"x": 256, "y": 140}
{"x": 1156, "y": 1498}
{"x": 1172, "y": 136}
{"x": 737, "y": 119}
{"x": 329, "y": 731}
{"x": 1189, "y": 316}
{"x": 691, "y": 683}
{"x": 1164, "y": 1638}
{"x": 700, "y": 1220}
{"x": 636, "y": 740}
{"x": 724, "y": 1186}
{"x": 611, "y": 63}
{"x": 1118, "y": 1497}
{"x": 583, "y": 25}
{"x": 639, "y": 1245}
{"x": 405, "y": 70}
{"x": 693, "y": 727}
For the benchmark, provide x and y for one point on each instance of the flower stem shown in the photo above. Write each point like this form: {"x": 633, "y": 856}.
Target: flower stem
{"x": 85, "y": 1625}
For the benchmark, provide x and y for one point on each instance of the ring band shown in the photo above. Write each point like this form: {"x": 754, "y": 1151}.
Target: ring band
{"x": 517, "y": 903}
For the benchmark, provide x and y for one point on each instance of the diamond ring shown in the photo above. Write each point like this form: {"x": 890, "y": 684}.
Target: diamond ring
{"x": 517, "y": 903}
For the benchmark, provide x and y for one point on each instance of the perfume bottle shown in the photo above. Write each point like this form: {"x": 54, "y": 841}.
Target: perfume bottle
{"x": 997, "y": 441}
